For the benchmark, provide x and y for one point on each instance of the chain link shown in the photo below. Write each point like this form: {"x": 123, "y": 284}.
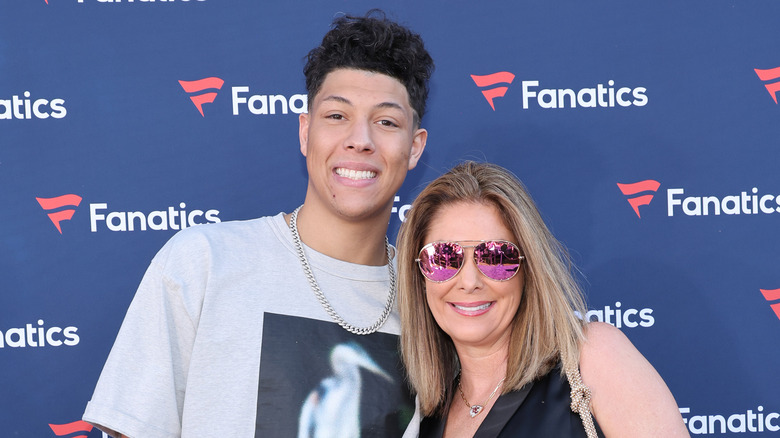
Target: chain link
{"x": 580, "y": 400}
{"x": 321, "y": 297}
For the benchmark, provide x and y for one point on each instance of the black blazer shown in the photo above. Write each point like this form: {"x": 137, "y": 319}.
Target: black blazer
{"x": 540, "y": 409}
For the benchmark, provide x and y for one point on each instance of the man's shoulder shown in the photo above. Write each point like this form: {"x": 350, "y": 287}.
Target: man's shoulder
{"x": 241, "y": 229}
{"x": 202, "y": 240}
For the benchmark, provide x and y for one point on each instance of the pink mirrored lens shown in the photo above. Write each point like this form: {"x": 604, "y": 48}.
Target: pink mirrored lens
{"x": 498, "y": 260}
{"x": 441, "y": 261}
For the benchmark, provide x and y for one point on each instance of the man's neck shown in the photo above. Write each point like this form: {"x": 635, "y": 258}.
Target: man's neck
{"x": 361, "y": 242}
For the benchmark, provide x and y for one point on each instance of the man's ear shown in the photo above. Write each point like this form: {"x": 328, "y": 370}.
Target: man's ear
{"x": 303, "y": 132}
{"x": 418, "y": 146}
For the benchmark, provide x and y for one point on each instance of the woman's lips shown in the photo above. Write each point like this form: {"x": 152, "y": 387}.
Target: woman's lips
{"x": 472, "y": 309}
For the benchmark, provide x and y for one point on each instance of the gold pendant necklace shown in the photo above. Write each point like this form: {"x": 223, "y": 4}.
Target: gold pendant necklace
{"x": 475, "y": 410}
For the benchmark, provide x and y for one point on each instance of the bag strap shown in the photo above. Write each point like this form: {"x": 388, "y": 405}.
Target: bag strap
{"x": 580, "y": 400}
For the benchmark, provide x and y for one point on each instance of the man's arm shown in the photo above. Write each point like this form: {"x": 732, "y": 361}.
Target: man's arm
{"x": 141, "y": 388}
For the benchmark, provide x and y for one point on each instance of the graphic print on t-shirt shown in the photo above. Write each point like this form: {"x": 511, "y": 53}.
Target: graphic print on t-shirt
{"x": 318, "y": 380}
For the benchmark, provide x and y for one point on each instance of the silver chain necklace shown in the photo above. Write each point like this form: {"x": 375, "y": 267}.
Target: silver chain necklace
{"x": 321, "y": 297}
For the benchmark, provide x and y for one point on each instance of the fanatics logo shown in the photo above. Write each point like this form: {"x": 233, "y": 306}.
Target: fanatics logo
{"x": 772, "y": 74}
{"x": 80, "y": 427}
{"x": 607, "y": 94}
{"x": 205, "y": 91}
{"x": 58, "y": 203}
{"x": 198, "y": 87}
{"x": 636, "y": 189}
{"x": 773, "y": 295}
{"x": 503, "y": 77}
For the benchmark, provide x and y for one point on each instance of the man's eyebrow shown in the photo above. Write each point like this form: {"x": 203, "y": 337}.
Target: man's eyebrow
{"x": 344, "y": 100}
{"x": 337, "y": 99}
{"x": 390, "y": 105}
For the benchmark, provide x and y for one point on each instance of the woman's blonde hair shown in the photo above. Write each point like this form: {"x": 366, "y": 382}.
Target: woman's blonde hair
{"x": 545, "y": 328}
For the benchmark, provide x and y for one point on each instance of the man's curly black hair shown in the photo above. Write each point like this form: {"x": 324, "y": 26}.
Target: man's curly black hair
{"x": 376, "y": 44}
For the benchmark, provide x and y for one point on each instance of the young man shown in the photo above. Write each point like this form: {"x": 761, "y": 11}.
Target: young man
{"x": 233, "y": 329}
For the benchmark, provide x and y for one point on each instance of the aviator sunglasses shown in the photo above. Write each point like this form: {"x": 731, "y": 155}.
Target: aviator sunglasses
{"x": 497, "y": 259}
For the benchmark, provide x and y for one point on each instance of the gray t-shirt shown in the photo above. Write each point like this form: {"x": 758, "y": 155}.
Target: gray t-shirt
{"x": 225, "y": 338}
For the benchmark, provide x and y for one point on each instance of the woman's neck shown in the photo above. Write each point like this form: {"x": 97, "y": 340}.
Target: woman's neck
{"x": 480, "y": 370}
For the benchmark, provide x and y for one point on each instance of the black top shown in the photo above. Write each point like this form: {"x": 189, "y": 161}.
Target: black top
{"x": 540, "y": 409}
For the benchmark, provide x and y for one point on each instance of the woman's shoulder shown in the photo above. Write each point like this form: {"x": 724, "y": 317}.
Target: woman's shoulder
{"x": 629, "y": 397}
{"x": 609, "y": 360}
{"x": 604, "y": 339}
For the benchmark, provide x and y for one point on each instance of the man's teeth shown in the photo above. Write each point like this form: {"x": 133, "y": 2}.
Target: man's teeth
{"x": 474, "y": 308}
{"x": 355, "y": 174}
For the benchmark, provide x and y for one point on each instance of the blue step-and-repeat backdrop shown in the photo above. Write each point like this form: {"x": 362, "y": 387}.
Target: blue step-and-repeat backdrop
{"x": 647, "y": 132}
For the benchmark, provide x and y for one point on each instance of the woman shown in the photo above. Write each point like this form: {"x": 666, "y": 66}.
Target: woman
{"x": 489, "y": 332}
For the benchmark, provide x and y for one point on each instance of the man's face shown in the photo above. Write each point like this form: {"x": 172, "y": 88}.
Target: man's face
{"x": 359, "y": 140}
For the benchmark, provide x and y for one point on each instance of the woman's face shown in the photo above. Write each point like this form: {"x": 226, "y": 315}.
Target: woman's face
{"x": 474, "y": 310}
